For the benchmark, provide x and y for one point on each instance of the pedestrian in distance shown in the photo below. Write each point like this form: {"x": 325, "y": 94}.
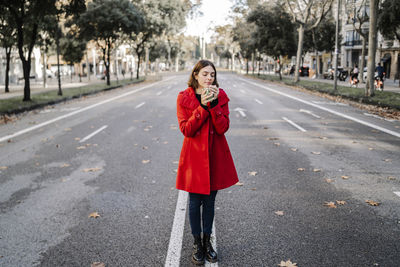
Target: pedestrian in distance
{"x": 354, "y": 76}
{"x": 380, "y": 70}
{"x": 205, "y": 164}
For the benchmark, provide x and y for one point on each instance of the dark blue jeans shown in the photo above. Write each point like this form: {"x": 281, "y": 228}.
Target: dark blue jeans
{"x": 208, "y": 203}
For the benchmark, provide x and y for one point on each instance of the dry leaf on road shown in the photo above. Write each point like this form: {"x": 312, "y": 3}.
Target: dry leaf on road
{"x": 287, "y": 263}
{"x": 253, "y": 173}
{"x": 67, "y": 129}
{"x": 272, "y": 138}
{"x": 65, "y": 165}
{"x": 277, "y": 144}
{"x": 329, "y": 180}
{"x": 81, "y": 147}
{"x": 3, "y": 168}
{"x": 279, "y": 212}
{"x": 330, "y": 204}
{"x": 92, "y": 169}
{"x": 293, "y": 149}
{"x": 317, "y": 170}
{"x": 340, "y": 202}
{"x": 94, "y": 215}
{"x": 239, "y": 183}
{"x": 345, "y": 177}
{"x": 98, "y": 264}
{"x": 301, "y": 169}
{"x": 372, "y": 203}
{"x": 145, "y": 161}
{"x": 316, "y": 153}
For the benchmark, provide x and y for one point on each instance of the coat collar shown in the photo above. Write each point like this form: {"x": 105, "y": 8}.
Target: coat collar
{"x": 188, "y": 98}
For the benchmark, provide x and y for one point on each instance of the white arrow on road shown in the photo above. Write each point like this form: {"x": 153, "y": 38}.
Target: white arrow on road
{"x": 241, "y": 111}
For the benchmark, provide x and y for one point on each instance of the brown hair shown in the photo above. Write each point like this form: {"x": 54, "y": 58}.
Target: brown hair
{"x": 199, "y": 65}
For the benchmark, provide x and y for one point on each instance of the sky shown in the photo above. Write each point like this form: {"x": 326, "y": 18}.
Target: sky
{"x": 215, "y": 12}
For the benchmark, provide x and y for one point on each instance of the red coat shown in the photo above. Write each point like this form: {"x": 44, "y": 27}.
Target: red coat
{"x": 205, "y": 163}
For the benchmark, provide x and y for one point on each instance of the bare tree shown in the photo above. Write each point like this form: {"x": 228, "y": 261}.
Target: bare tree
{"x": 302, "y": 12}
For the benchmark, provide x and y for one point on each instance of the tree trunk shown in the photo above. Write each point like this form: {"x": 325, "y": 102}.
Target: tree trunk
{"x": 252, "y": 61}
{"x": 108, "y": 43}
{"x": 299, "y": 52}
{"x": 58, "y": 65}
{"x": 138, "y": 66}
{"x": 362, "y": 64}
{"x": 258, "y": 73}
{"x": 280, "y": 70}
{"x": 70, "y": 68}
{"x": 8, "y": 58}
{"x": 369, "y": 89}
{"x": 317, "y": 65}
{"x": 247, "y": 66}
{"x": 26, "y": 64}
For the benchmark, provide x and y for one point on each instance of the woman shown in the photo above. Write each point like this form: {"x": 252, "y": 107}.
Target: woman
{"x": 205, "y": 164}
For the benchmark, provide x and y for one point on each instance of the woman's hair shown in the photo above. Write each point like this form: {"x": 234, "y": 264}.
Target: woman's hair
{"x": 199, "y": 65}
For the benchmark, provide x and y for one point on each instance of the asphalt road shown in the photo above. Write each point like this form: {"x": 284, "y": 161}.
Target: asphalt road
{"x": 116, "y": 154}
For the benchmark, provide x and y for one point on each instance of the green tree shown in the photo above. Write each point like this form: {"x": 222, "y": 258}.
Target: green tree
{"x": 389, "y": 19}
{"x": 8, "y": 39}
{"x": 243, "y": 33}
{"x": 72, "y": 50}
{"x": 105, "y": 21}
{"x": 28, "y": 18}
{"x": 275, "y": 32}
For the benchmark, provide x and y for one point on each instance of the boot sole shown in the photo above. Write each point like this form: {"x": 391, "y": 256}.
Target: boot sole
{"x": 198, "y": 262}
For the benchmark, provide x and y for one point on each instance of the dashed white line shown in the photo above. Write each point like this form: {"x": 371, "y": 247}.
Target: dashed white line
{"x": 141, "y": 104}
{"x": 396, "y": 134}
{"x": 7, "y": 137}
{"x": 93, "y": 134}
{"x": 175, "y": 242}
{"x": 294, "y": 124}
{"x": 397, "y": 193}
{"x": 159, "y": 93}
{"x": 258, "y": 101}
{"x": 309, "y": 112}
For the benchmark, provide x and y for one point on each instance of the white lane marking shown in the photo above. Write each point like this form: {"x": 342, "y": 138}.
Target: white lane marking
{"x": 258, "y": 101}
{"x": 378, "y": 117}
{"x": 4, "y": 138}
{"x": 241, "y": 111}
{"x": 93, "y": 134}
{"x": 396, "y": 134}
{"x": 294, "y": 124}
{"x": 397, "y": 193}
{"x": 234, "y": 85}
{"x": 243, "y": 91}
{"x": 175, "y": 242}
{"x": 214, "y": 244}
{"x": 330, "y": 103}
{"x": 159, "y": 93}
{"x": 141, "y": 104}
{"x": 309, "y": 112}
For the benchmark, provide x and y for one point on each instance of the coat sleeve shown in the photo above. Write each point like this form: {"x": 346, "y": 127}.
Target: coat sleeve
{"x": 220, "y": 117}
{"x": 189, "y": 124}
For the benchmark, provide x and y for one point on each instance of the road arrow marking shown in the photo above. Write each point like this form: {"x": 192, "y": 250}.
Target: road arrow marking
{"x": 294, "y": 124}
{"x": 397, "y": 193}
{"x": 241, "y": 111}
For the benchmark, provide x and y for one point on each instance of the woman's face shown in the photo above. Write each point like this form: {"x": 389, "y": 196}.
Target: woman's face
{"x": 205, "y": 77}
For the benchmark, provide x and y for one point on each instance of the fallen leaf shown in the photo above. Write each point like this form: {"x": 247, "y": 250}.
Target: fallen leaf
{"x": 293, "y": 149}
{"x": 65, "y": 165}
{"x": 323, "y": 137}
{"x": 175, "y": 162}
{"x": 81, "y": 147}
{"x": 3, "y": 168}
{"x": 67, "y": 129}
{"x": 165, "y": 142}
{"x": 95, "y": 145}
{"x": 372, "y": 203}
{"x": 92, "y": 169}
{"x": 58, "y": 146}
{"x": 9, "y": 140}
{"x": 239, "y": 183}
{"x": 329, "y": 180}
{"x": 370, "y": 148}
{"x": 392, "y": 178}
{"x": 146, "y": 129}
{"x": 88, "y": 145}
{"x": 287, "y": 263}
{"x": 98, "y": 264}
{"x": 254, "y": 189}
{"x": 317, "y": 170}
{"x": 345, "y": 177}
{"x": 37, "y": 164}
{"x": 145, "y": 161}
{"x": 135, "y": 144}
{"x": 145, "y": 147}
{"x": 354, "y": 142}
{"x": 94, "y": 215}
{"x": 330, "y": 204}
{"x": 277, "y": 144}
{"x": 316, "y": 153}
{"x": 252, "y": 173}
{"x": 340, "y": 202}
{"x": 77, "y": 139}
{"x": 387, "y": 160}
{"x": 272, "y": 138}
{"x": 301, "y": 169}
{"x": 265, "y": 127}
{"x": 279, "y": 212}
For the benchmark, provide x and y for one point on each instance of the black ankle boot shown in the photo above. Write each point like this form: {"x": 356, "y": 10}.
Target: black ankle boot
{"x": 211, "y": 255}
{"x": 198, "y": 252}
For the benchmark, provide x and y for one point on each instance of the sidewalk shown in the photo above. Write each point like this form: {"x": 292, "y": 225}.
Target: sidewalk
{"x": 52, "y": 85}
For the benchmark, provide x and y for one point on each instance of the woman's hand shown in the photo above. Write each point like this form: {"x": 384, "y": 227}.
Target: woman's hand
{"x": 214, "y": 91}
{"x": 206, "y": 96}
